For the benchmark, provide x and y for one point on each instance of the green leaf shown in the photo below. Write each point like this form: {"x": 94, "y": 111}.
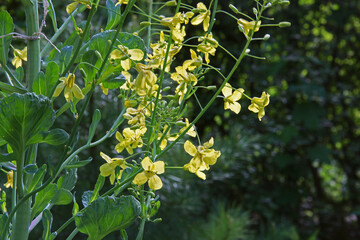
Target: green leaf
{"x": 114, "y": 83}
{"x": 10, "y": 89}
{"x": 106, "y": 215}
{"x": 78, "y": 164}
{"x": 19, "y": 73}
{"x": 90, "y": 62}
{"x": 31, "y": 169}
{"x": 47, "y": 220}
{"x": 43, "y": 198}
{"x": 39, "y": 85}
{"x": 114, "y": 14}
{"x": 85, "y": 198}
{"x": 98, "y": 186}
{"x": 5, "y": 157}
{"x": 62, "y": 197}
{"x": 51, "y": 76}
{"x": 95, "y": 121}
{"x": 55, "y": 137}
{"x": 52, "y": 14}
{"x": 68, "y": 181}
{"x": 65, "y": 56}
{"x": 37, "y": 179}
{"x": 22, "y": 117}
{"x": 6, "y": 27}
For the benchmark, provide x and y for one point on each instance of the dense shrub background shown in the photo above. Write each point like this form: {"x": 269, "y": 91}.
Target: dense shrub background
{"x": 296, "y": 174}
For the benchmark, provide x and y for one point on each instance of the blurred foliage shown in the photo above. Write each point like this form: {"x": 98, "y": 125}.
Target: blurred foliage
{"x": 296, "y": 173}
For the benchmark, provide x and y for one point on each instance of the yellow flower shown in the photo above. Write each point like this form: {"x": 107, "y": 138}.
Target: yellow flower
{"x": 203, "y": 157}
{"x": 137, "y": 116}
{"x": 191, "y": 132}
{"x": 19, "y": 56}
{"x": 145, "y": 80}
{"x": 126, "y": 55}
{"x": 194, "y": 63}
{"x": 71, "y": 89}
{"x": 150, "y": 174}
{"x": 122, "y": 2}
{"x": 108, "y": 168}
{"x": 10, "y": 178}
{"x": 184, "y": 79}
{"x": 231, "y": 98}
{"x": 258, "y": 104}
{"x": 130, "y": 140}
{"x": 247, "y": 26}
{"x": 174, "y": 23}
{"x": 207, "y": 46}
{"x": 203, "y": 17}
{"x": 72, "y": 6}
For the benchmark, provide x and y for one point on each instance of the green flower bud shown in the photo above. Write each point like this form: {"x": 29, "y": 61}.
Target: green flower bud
{"x": 145, "y": 24}
{"x": 266, "y": 37}
{"x": 233, "y": 8}
{"x": 284, "y": 24}
{"x": 211, "y": 87}
{"x": 255, "y": 11}
{"x": 171, "y": 3}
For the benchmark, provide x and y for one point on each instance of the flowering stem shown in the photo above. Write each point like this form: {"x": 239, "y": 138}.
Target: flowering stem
{"x": 32, "y": 27}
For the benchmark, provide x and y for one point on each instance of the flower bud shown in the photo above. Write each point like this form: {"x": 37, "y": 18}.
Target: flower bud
{"x": 266, "y": 37}
{"x": 255, "y": 11}
{"x": 233, "y": 8}
{"x": 284, "y": 24}
{"x": 247, "y": 50}
{"x": 166, "y": 89}
{"x": 211, "y": 87}
{"x": 171, "y": 3}
{"x": 268, "y": 5}
{"x": 145, "y": 24}
{"x": 284, "y": 2}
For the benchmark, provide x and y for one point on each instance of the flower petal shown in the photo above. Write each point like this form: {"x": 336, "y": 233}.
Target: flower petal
{"x": 147, "y": 164}
{"x": 140, "y": 178}
{"x": 155, "y": 182}
{"x": 190, "y": 148}
{"x": 159, "y": 167}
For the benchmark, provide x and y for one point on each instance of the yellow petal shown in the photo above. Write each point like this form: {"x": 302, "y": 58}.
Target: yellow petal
{"x": 159, "y": 167}
{"x": 253, "y": 107}
{"x": 235, "y": 107}
{"x": 77, "y": 92}
{"x": 68, "y": 94}
{"x": 201, "y": 175}
{"x": 190, "y": 148}
{"x": 227, "y": 90}
{"x": 71, "y": 7}
{"x": 210, "y": 143}
{"x": 140, "y": 178}
{"x": 126, "y": 64}
{"x": 136, "y": 54}
{"x": 147, "y": 164}
{"x": 106, "y": 170}
{"x": 155, "y": 182}
{"x": 105, "y": 157}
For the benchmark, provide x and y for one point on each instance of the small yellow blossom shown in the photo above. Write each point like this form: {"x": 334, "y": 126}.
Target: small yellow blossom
{"x": 122, "y": 2}
{"x": 126, "y": 55}
{"x": 203, "y": 157}
{"x": 151, "y": 169}
{"x": 10, "y": 178}
{"x": 108, "y": 168}
{"x": 207, "y": 46}
{"x": 248, "y": 26}
{"x": 203, "y": 17}
{"x": 184, "y": 79}
{"x": 130, "y": 139}
{"x": 191, "y": 132}
{"x": 71, "y": 89}
{"x": 137, "y": 116}
{"x": 195, "y": 62}
{"x": 145, "y": 80}
{"x": 104, "y": 89}
{"x": 72, "y": 6}
{"x": 231, "y": 98}
{"x": 258, "y": 104}
{"x": 19, "y": 56}
{"x": 174, "y": 23}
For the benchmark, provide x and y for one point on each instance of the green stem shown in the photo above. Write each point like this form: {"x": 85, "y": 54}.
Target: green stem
{"x": 33, "y": 54}
{"x": 148, "y": 39}
{"x": 72, "y": 235}
{"x": 141, "y": 229}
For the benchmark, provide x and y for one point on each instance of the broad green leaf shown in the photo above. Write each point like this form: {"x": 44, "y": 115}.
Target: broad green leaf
{"x": 51, "y": 76}
{"x": 95, "y": 121}
{"x": 39, "y": 85}
{"x": 37, "y": 179}
{"x": 106, "y": 215}
{"x": 68, "y": 180}
{"x": 47, "y": 220}
{"x": 31, "y": 169}
{"x": 113, "y": 83}
{"x": 55, "y": 137}
{"x": 62, "y": 197}
{"x": 43, "y": 198}
{"x": 6, "y": 27}
{"x": 65, "y": 56}
{"x": 22, "y": 117}
{"x": 52, "y": 14}
{"x": 114, "y": 14}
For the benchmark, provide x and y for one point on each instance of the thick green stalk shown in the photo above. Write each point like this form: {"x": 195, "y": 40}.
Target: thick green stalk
{"x": 33, "y": 54}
